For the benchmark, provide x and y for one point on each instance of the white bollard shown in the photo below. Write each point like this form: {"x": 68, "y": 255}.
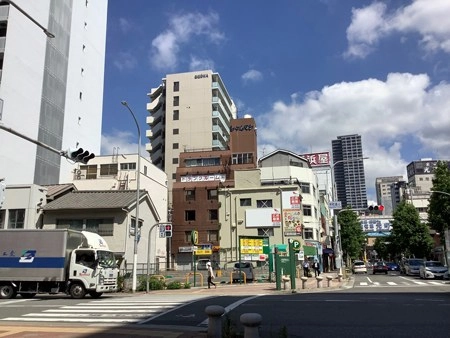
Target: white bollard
{"x": 329, "y": 279}
{"x": 319, "y": 280}
{"x": 214, "y": 313}
{"x": 251, "y": 322}
{"x": 304, "y": 279}
{"x": 340, "y": 277}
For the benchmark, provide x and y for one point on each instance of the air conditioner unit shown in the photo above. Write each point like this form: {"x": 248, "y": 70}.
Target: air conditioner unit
{"x": 79, "y": 174}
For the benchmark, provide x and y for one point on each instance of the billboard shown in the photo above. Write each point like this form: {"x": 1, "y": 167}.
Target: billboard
{"x": 262, "y": 218}
{"x": 318, "y": 159}
{"x": 371, "y": 225}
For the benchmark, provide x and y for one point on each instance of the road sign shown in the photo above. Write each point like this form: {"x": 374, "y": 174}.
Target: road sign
{"x": 296, "y": 245}
{"x": 301, "y": 255}
{"x": 335, "y": 205}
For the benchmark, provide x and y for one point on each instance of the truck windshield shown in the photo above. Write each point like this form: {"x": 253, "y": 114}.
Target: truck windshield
{"x": 106, "y": 259}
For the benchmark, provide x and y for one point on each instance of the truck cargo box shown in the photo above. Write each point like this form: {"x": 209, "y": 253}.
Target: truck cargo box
{"x": 37, "y": 255}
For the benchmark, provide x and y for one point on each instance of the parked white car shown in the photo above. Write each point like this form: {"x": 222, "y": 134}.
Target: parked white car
{"x": 359, "y": 267}
{"x": 432, "y": 269}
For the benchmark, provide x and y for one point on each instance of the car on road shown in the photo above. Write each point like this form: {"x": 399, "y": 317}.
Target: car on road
{"x": 432, "y": 269}
{"x": 392, "y": 266}
{"x": 380, "y": 267}
{"x": 359, "y": 267}
{"x": 412, "y": 266}
{"x": 242, "y": 269}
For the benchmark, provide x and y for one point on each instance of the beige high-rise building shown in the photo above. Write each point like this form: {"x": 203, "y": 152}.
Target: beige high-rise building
{"x": 188, "y": 112}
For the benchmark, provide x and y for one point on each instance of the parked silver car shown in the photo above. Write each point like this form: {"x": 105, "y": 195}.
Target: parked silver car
{"x": 432, "y": 269}
{"x": 412, "y": 266}
{"x": 243, "y": 269}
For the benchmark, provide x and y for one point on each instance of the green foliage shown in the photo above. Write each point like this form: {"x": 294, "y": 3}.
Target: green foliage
{"x": 155, "y": 283}
{"x": 439, "y": 206}
{"x": 381, "y": 247}
{"x": 187, "y": 285}
{"x": 409, "y": 236}
{"x": 351, "y": 233}
{"x": 174, "y": 285}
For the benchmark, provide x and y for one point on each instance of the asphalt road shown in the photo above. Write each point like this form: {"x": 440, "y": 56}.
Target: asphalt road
{"x": 373, "y": 306}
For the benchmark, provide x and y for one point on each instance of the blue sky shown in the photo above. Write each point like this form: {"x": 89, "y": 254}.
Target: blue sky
{"x": 308, "y": 71}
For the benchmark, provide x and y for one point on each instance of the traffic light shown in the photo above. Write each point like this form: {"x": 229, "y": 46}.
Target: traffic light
{"x": 376, "y": 209}
{"x": 79, "y": 155}
{"x": 168, "y": 230}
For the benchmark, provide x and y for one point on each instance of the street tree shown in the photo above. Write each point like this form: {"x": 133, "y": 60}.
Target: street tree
{"x": 409, "y": 235}
{"x": 439, "y": 206}
{"x": 381, "y": 247}
{"x": 351, "y": 233}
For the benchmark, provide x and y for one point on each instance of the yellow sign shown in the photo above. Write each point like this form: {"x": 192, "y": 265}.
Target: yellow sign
{"x": 251, "y": 246}
{"x": 200, "y": 252}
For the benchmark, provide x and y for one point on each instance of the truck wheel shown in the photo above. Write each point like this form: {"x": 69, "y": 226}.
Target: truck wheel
{"x": 7, "y": 291}
{"x": 77, "y": 291}
{"x": 27, "y": 295}
{"x": 95, "y": 294}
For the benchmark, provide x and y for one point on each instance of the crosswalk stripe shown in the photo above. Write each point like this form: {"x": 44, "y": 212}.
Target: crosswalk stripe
{"x": 392, "y": 283}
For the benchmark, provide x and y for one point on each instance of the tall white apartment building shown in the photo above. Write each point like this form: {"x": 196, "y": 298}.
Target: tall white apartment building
{"x": 51, "y": 89}
{"x": 188, "y": 111}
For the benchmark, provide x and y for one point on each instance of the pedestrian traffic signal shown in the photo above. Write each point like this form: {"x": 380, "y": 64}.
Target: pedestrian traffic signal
{"x": 79, "y": 155}
{"x": 168, "y": 230}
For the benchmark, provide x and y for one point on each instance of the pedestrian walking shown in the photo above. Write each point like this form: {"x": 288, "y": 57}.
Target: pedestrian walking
{"x": 316, "y": 268}
{"x": 306, "y": 268}
{"x": 210, "y": 275}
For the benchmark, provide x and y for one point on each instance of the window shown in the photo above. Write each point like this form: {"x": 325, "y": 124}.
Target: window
{"x": 174, "y": 176}
{"x": 81, "y": 95}
{"x": 305, "y": 187}
{"x": 145, "y": 170}
{"x": 187, "y": 236}
{"x": 212, "y": 194}
{"x": 101, "y": 226}
{"x": 91, "y": 171}
{"x": 307, "y": 211}
{"x": 108, "y": 169}
{"x": 242, "y": 158}
{"x": 213, "y": 236}
{"x": 176, "y": 86}
{"x": 189, "y": 195}
{"x": 175, "y": 145}
{"x": 16, "y": 218}
{"x": 176, "y": 131}
{"x": 2, "y": 219}
{"x": 176, "y": 115}
{"x": 264, "y": 203}
{"x": 308, "y": 233}
{"x": 213, "y": 214}
{"x": 245, "y": 202}
{"x": 202, "y": 162}
{"x": 175, "y": 160}
{"x": 128, "y": 166}
{"x": 189, "y": 215}
{"x": 176, "y": 101}
{"x": 265, "y": 232}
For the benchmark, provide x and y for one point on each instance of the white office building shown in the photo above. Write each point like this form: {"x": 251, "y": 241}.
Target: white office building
{"x": 51, "y": 88}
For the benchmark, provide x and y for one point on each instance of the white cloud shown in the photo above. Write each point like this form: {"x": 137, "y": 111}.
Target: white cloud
{"x": 200, "y": 64}
{"x": 182, "y": 28}
{"x": 427, "y": 18}
{"x": 121, "y": 142}
{"x": 124, "y": 25}
{"x": 125, "y": 61}
{"x": 252, "y": 76}
{"x": 387, "y": 114}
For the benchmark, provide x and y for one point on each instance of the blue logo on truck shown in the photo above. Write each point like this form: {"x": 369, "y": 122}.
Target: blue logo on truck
{"x": 27, "y": 256}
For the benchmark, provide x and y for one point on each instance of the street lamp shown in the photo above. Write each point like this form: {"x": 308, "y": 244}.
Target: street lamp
{"x": 46, "y": 32}
{"x": 138, "y": 175}
{"x": 338, "y": 242}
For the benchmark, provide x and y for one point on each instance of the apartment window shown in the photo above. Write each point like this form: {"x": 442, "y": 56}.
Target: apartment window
{"x": 264, "y": 203}
{"x": 242, "y": 158}
{"x": 176, "y": 131}
{"x": 90, "y": 170}
{"x": 176, "y": 101}
{"x": 2, "y": 219}
{"x": 307, "y": 211}
{"x": 306, "y": 189}
{"x": 212, "y": 194}
{"x": 265, "y": 232}
{"x": 175, "y": 145}
{"x": 189, "y": 215}
{"x": 128, "y": 166}
{"x": 175, "y": 160}
{"x": 213, "y": 236}
{"x": 16, "y": 218}
{"x": 176, "y": 115}
{"x": 101, "y": 226}
{"x": 245, "y": 202}
{"x": 108, "y": 169}
{"x": 176, "y": 86}
{"x": 187, "y": 237}
{"x": 174, "y": 176}
{"x": 145, "y": 170}
{"x": 213, "y": 214}
{"x": 308, "y": 233}
{"x": 189, "y": 195}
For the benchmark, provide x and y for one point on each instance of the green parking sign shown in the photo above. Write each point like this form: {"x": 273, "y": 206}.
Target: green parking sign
{"x": 296, "y": 245}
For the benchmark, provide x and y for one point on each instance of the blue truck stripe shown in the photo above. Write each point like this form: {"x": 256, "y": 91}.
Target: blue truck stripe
{"x": 38, "y": 262}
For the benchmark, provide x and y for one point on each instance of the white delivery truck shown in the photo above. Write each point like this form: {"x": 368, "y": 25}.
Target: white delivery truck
{"x": 53, "y": 261}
